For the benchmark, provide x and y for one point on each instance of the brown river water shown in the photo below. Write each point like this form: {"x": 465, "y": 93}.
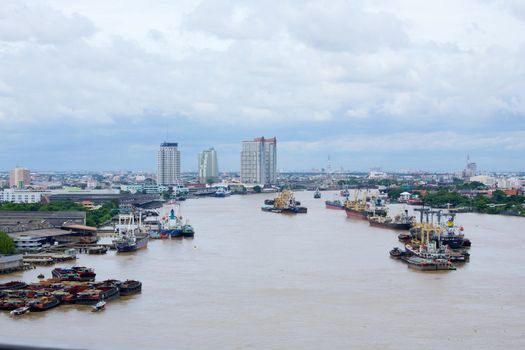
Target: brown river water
{"x": 257, "y": 280}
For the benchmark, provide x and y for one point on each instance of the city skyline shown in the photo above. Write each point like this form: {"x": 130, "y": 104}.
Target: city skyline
{"x": 408, "y": 87}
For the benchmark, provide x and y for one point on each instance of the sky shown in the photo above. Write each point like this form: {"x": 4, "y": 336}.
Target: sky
{"x": 398, "y": 84}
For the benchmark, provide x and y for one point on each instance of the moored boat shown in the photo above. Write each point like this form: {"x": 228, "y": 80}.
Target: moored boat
{"x": 99, "y": 293}
{"x": 13, "y": 285}
{"x": 399, "y": 222}
{"x": 172, "y": 225}
{"x": 43, "y": 303}
{"x": 222, "y": 192}
{"x": 65, "y": 274}
{"x": 131, "y": 243}
{"x": 397, "y": 253}
{"x": 127, "y": 240}
{"x": 424, "y": 264}
{"x": 352, "y": 213}
{"x": 335, "y": 204}
{"x": 129, "y": 287}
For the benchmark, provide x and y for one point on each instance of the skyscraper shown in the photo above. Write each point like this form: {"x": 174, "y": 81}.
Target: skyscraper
{"x": 168, "y": 164}
{"x": 208, "y": 166}
{"x": 19, "y": 178}
{"x": 471, "y": 169}
{"x": 259, "y": 161}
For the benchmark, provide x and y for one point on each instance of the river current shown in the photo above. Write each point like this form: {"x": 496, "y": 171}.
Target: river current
{"x": 258, "y": 280}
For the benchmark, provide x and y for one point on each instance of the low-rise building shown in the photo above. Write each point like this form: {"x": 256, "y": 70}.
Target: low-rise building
{"x": 9, "y": 263}
{"x": 27, "y": 243}
{"x": 20, "y": 196}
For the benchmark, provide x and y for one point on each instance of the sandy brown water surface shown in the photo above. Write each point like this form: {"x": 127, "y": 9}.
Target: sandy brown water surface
{"x": 257, "y": 280}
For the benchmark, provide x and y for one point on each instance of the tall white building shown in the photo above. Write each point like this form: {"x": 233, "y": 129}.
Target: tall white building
{"x": 168, "y": 164}
{"x": 208, "y": 166}
{"x": 259, "y": 161}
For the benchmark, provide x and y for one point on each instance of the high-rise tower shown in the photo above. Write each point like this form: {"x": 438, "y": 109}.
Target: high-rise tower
{"x": 19, "y": 177}
{"x": 168, "y": 164}
{"x": 259, "y": 161}
{"x": 208, "y": 166}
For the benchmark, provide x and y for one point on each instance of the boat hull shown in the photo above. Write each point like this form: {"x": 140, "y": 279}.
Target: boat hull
{"x": 332, "y": 205}
{"x": 391, "y": 225}
{"x": 171, "y": 233}
{"x": 354, "y": 214}
{"x": 131, "y": 247}
{"x": 45, "y": 306}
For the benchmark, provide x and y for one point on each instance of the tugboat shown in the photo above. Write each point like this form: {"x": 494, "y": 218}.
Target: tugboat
{"x": 222, "y": 192}
{"x": 397, "y": 253}
{"x": 20, "y": 311}
{"x": 284, "y": 203}
{"x": 99, "y": 306}
{"x": 399, "y": 222}
{"x": 317, "y": 194}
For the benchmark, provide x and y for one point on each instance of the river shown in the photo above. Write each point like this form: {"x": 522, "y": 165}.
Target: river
{"x": 257, "y": 280}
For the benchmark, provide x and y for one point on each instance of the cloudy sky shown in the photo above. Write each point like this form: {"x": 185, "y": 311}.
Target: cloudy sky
{"x": 400, "y": 84}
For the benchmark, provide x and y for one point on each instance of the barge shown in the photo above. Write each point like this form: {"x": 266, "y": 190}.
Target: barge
{"x": 284, "y": 203}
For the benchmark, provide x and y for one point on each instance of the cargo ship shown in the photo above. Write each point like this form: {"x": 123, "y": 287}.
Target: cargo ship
{"x": 284, "y": 203}
{"x": 427, "y": 254}
{"x": 399, "y": 222}
{"x": 363, "y": 207}
{"x": 446, "y": 234}
{"x": 356, "y": 209}
{"x": 335, "y": 204}
{"x": 172, "y": 225}
{"x": 130, "y": 243}
{"x": 127, "y": 241}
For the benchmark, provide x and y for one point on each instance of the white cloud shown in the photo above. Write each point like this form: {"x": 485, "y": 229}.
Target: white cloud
{"x": 251, "y": 62}
{"x": 33, "y": 22}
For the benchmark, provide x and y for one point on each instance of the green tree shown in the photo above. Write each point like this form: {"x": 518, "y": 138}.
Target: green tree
{"x": 393, "y": 193}
{"x": 7, "y": 245}
{"x": 257, "y": 189}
